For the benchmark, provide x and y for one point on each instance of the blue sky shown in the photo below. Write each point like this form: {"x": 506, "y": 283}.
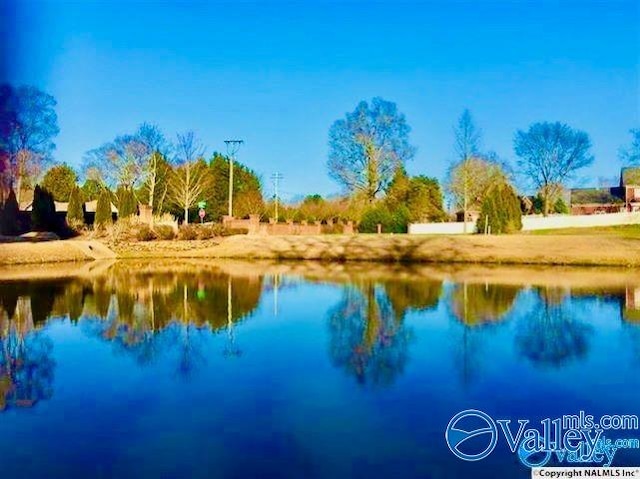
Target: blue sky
{"x": 277, "y": 74}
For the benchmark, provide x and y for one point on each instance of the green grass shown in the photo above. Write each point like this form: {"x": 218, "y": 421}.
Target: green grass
{"x": 626, "y": 231}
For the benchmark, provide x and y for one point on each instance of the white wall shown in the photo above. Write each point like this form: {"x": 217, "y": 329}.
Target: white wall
{"x": 441, "y": 228}
{"x": 530, "y": 223}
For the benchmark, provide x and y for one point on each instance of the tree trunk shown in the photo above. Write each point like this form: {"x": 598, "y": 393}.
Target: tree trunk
{"x": 18, "y": 191}
{"x": 545, "y": 203}
{"x": 465, "y": 205}
{"x": 186, "y": 215}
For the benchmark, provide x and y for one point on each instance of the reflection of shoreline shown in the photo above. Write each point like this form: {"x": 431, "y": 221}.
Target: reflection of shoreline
{"x": 565, "y": 276}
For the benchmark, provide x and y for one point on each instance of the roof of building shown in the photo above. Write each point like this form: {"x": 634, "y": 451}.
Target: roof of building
{"x": 600, "y": 196}
{"x": 91, "y": 206}
{"x": 630, "y": 176}
{"x": 62, "y": 206}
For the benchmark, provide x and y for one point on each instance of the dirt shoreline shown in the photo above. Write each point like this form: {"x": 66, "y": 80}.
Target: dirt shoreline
{"x": 578, "y": 250}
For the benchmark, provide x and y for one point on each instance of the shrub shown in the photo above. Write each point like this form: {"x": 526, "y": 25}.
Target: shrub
{"x": 224, "y": 231}
{"x": 392, "y": 222}
{"x": 43, "y": 212}
{"x": 188, "y": 232}
{"x": 9, "y": 218}
{"x": 561, "y": 207}
{"x": 164, "y": 232}
{"x": 206, "y": 232}
{"x": 500, "y": 210}
{"x": 145, "y": 233}
{"x": 103, "y": 210}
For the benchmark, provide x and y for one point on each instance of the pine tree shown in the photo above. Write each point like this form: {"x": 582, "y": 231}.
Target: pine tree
{"x": 500, "y": 212}
{"x": 9, "y": 218}
{"x": 43, "y": 212}
{"x": 126, "y": 202}
{"x": 103, "y": 210}
{"x": 75, "y": 210}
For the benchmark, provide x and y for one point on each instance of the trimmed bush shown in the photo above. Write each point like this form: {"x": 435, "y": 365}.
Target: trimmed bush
{"x": 127, "y": 204}
{"x": 145, "y": 233}
{"x": 224, "y": 231}
{"x": 164, "y": 232}
{"x": 75, "y": 210}
{"x": 9, "y": 218}
{"x": 500, "y": 212}
{"x": 206, "y": 232}
{"x": 561, "y": 207}
{"x": 43, "y": 212}
{"x": 188, "y": 232}
{"x": 103, "y": 210}
{"x": 392, "y": 222}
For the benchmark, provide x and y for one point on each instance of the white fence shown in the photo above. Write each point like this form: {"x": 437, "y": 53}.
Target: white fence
{"x": 530, "y": 223}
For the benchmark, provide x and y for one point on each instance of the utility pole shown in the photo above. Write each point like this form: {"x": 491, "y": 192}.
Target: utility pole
{"x": 276, "y": 177}
{"x": 232, "y": 148}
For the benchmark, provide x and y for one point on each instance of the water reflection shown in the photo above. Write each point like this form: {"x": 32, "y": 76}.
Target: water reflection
{"x": 551, "y": 336}
{"x": 478, "y": 304}
{"x": 26, "y": 364}
{"x": 147, "y": 312}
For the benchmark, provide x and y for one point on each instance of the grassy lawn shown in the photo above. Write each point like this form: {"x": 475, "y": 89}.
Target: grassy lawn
{"x": 626, "y": 231}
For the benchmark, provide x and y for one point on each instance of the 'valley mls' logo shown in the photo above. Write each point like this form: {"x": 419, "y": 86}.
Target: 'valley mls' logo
{"x": 472, "y": 435}
{"x": 467, "y": 425}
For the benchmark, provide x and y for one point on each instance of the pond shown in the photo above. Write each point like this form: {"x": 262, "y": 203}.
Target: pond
{"x": 233, "y": 369}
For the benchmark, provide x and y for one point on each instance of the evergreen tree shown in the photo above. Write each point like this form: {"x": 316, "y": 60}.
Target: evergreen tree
{"x": 561, "y": 207}
{"x": 9, "y": 218}
{"x": 91, "y": 190}
{"x": 60, "y": 181}
{"x": 103, "y": 210}
{"x": 43, "y": 212}
{"x": 75, "y": 210}
{"x": 500, "y": 212}
{"x": 126, "y": 200}
{"x": 245, "y": 181}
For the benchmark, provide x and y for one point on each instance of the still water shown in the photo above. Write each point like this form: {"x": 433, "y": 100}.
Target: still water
{"x": 303, "y": 370}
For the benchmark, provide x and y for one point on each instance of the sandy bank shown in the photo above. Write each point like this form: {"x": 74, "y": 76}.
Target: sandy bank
{"x": 67, "y": 251}
{"x": 517, "y": 249}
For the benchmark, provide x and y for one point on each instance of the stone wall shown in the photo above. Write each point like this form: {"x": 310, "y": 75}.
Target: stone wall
{"x": 254, "y": 226}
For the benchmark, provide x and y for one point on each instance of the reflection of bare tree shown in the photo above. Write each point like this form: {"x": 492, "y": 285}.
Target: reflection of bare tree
{"x": 553, "y": 295}
{"x": 412, "y": 295}
{"x": 550, "y": 336}
{"x": 367, "y": 339}
{"x": 26, "y": 366}
{"x": 477, "y": 304}
{"x": 477, "y": 307}
{"x": 143, "y": 315}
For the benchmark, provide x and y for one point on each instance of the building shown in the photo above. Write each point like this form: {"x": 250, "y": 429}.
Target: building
{"x": 613, "y": 199}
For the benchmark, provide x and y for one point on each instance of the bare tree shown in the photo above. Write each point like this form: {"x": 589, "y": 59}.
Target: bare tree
{"x": 117, "y": 163}
{"x": 28, "y": 124}
{"x": 191, "y": 177}
{"x": 468, "y": 137}
{"x": 156, "y": 168}
{"x": 366, "y": 147}
{"x": 468, "y": 180}
{"x": 467, "y": 174}
{"x": 630, "y": 155}
{"x": 549, "y": 155}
